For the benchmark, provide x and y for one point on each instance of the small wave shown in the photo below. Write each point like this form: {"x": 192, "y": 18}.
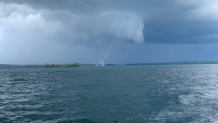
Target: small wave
{"x": 78, "y": 121}
{"x": 18, "y": 80}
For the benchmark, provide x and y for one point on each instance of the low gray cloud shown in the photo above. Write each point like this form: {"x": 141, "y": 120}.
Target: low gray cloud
{"x": 104, "y": 25}
{"x": 79, "y": 21}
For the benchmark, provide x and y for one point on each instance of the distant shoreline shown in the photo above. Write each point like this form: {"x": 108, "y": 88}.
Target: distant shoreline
{"x": 176, "y": 63}
{"x": 2, "y": 66}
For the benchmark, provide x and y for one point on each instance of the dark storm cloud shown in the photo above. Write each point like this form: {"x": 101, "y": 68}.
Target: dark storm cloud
{"x": 95, "y": 31}
{"x": 69, "y": 5}
{"x": 171, "y": 21}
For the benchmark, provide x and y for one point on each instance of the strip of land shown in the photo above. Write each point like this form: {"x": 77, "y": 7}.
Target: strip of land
{"x": 66, "y": 65}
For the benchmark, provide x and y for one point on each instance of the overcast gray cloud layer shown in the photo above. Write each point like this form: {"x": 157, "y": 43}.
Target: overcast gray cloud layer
{"x": 171, "y": 21}
{"x": 101, "y": 26}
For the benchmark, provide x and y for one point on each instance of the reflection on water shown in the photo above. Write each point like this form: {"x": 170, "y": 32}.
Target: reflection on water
{"x": 178, "y": 93}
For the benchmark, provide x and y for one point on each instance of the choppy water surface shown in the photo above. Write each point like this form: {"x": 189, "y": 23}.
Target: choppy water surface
{"x": 177, "y": 93}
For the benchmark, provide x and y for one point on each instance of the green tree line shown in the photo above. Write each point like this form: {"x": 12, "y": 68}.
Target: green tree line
{"x": 66, "y": 65}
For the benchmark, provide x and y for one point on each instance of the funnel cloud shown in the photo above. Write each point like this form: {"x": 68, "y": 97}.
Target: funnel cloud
{"x": 128, "y": 31}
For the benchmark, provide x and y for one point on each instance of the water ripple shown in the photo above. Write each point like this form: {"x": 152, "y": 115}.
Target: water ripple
{"x": 179, "y": 93}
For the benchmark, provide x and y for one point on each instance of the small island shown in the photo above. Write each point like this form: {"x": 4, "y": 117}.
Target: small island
{"x": 66, "y": 65}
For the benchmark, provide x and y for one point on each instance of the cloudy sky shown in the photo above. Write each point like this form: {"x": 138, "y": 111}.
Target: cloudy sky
{"x": 108, "y": 31}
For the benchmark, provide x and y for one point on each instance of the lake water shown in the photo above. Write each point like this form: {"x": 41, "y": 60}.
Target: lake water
{"x": 118, "y": 94}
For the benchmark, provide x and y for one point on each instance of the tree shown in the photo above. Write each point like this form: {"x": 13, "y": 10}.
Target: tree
{"x": 47, "y": 65}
